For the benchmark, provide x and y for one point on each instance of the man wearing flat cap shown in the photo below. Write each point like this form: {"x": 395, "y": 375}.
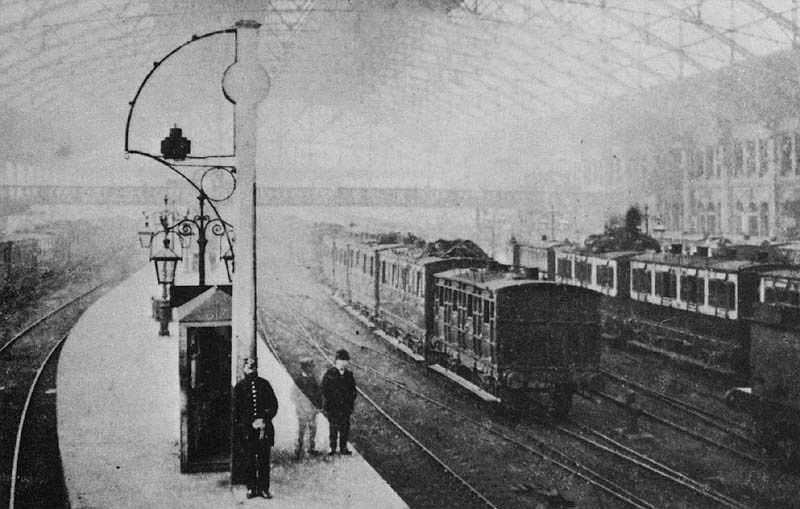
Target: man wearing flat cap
{"x": 256, "y": 405}
{"x": 338, "y": 399}
{"x": 307, "y": 399}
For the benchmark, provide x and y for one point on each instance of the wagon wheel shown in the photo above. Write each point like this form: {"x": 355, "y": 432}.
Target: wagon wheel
{"x": 561, "y": 398}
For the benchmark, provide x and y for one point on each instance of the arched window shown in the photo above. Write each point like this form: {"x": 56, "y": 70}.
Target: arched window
{"x": 711, "y": 221}
{"x": 752, "y": 219}
{"x": 738, "y": 218}
{"x": 700, "y": 218}
{"x": 764, "y": 218}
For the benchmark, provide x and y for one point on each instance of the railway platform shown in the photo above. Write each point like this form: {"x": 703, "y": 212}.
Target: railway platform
{"x": 118, "y": 407}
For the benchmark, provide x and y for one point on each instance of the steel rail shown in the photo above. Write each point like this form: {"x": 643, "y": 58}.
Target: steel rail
{"x": 419, "y": 444}
{"x": 60, "y": 308}
{"x": 579, "y": 470}
{"x": 652, "y": 465}
{"x": 18, "y": 442}
{"x": 682, "y": 429}
{"x": 716, "y": 421}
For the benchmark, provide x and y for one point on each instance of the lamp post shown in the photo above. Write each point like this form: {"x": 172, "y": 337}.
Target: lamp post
{"x": 146, "y": 235}
{"x": 230, "y": 264}
{"x": 165, "y": 261}
{"x": 203, "y": 225}
{"x": 245, "y": 84}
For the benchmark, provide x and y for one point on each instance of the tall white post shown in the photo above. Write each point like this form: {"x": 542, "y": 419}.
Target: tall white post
{"x": 245, "y": 84}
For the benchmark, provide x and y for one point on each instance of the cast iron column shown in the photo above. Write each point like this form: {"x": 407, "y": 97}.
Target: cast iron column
{"x": 245, "y": 84}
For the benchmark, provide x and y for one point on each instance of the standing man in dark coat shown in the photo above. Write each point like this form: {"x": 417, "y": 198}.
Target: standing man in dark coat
{"x": 256, "y": 405}
{"x": 339, "y": 396}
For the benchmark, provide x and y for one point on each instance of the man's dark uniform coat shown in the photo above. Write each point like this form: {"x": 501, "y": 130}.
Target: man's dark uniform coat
{"x": 254, "y": 399}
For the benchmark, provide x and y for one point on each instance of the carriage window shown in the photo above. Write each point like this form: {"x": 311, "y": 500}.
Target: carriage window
{"x": 770, "y": 296}
{"x": 660, "y": 286}
{"x": 794, "y": 294}
{"x": 692, "y": 289}
{"x": 486, "y": 313}
{"x": 383, "y": 272}
{"x": 722, "y": 294}
{"x": 441, "y": 295}
{"x": 418, "y": 284}
{"x": 605, "y": 276}
{"x": 564, "y": 268}
{"x": 641, "y": 280}
{"x": 783, "y": 292}
{"x": 583, "y": 271}
{"x": 666, "y": 284}
{"x": 371, "y": 266}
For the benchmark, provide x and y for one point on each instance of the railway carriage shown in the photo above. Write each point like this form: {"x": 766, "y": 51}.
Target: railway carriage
{"x": 516, "y": 338}
{"x": 773, "y": 397}
{"x": 690, "y": 308}
{"x": 406, "y": 290}
{"x": 537, "y": 254}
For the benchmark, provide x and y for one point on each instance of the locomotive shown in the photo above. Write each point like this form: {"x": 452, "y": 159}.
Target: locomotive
{"x": 512, "y": 337}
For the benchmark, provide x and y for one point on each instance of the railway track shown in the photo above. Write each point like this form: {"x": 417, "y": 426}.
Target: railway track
{"x": 28, "y": 447}
{"x": 533, "y": 445}
{"x": 468, "y": 499}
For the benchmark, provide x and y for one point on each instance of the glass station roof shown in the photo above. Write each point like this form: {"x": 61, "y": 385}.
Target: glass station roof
{"x": 396, "y": 85}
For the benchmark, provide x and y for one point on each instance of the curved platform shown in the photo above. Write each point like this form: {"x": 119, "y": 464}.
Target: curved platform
{"x": 118, "y": 404}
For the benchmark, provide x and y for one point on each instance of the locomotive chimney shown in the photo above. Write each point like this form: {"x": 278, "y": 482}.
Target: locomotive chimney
{"x": 515, "y": 259}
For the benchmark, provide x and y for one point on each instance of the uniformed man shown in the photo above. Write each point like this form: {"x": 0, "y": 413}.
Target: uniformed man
{"x": 256, "y": 405}
{"x": 339, "y": 396}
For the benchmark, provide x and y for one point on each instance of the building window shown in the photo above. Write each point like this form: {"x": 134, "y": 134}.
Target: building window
{"x": 752, "y": 219}
{"x": 750, "y": 157}
{"x": 738, "y": 218}
{"x": 763, "y": 157}
{"x": 699, "y": 162}
{"x": 709, "y": 166}
{"x": 738, "y": 158}
{"x": 764, "y": 218}
{"x": 784, "y": 148}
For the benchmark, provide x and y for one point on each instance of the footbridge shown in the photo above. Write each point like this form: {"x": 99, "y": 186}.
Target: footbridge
{"x": 26, "y": 195}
